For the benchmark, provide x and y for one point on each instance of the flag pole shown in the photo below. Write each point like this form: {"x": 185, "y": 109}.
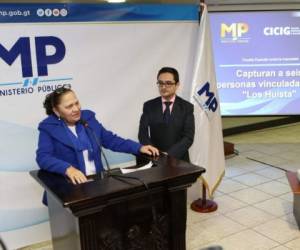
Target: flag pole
{"x": 203, "y": 205}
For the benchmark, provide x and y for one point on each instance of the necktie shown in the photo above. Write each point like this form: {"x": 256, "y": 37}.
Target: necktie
{"x": 167, "y": 112}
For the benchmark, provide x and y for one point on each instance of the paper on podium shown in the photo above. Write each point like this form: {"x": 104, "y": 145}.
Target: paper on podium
{"x": 130, "y": 170}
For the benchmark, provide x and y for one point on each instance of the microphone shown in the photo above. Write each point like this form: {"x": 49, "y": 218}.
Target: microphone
{"x": 86, "y": 125}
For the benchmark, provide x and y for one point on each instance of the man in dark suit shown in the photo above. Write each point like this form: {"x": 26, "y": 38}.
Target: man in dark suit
{"x": 167, "y": 121}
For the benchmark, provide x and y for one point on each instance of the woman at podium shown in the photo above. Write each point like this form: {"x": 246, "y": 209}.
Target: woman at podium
{"x": 70, "y": 139}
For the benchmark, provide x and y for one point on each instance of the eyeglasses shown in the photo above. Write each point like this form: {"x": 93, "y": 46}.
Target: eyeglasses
{"x": 166, "y": 83}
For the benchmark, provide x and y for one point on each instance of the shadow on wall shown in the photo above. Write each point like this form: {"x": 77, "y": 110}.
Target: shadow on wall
{"x": 17, "y": 153}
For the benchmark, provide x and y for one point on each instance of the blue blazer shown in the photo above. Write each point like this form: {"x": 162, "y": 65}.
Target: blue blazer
{"x": 56, "y": 153}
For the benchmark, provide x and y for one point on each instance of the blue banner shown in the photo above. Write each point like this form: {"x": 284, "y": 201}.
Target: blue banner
{"x": 37, "y": 13}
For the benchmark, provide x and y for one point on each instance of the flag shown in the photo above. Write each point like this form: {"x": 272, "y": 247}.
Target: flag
{"x": 207, "y": 150}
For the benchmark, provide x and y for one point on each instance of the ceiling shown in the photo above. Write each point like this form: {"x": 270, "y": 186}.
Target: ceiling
{"x": 209, "y": 2}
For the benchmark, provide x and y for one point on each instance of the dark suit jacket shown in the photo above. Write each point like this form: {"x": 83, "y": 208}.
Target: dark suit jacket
{"x": 177, "y": 136}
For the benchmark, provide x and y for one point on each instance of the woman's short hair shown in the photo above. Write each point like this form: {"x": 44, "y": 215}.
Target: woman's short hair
{"x": 53, "y": 99}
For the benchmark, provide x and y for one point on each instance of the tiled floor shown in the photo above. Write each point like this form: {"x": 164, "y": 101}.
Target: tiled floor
{"x": 254, "y": 198}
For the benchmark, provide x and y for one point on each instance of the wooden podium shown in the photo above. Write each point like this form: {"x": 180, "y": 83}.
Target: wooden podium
{"x": 121, "y": 214}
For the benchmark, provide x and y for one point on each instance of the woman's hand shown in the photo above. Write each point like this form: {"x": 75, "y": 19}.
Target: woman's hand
{"x": 75, "y": 175}
{"x": 149, "y": 150}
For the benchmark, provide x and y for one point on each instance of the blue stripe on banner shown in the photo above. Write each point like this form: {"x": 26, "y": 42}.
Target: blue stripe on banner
{"x": 36, "y": 13}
